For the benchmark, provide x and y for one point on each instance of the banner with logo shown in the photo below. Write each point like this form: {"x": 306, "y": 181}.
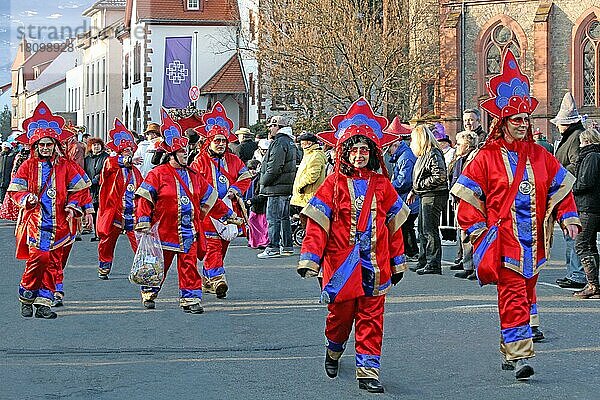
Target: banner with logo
{"x": 177, "y": 78}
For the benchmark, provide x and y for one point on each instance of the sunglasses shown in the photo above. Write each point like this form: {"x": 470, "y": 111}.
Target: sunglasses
{"x": 363, "y": 151}
{"x": 219, "y": 140}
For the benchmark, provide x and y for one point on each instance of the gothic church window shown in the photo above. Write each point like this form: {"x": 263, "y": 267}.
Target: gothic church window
{"x": 501, "y": 39}
{"x": 590, "y": 61}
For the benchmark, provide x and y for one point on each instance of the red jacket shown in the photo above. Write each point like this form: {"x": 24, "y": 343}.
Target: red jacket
{"x": 57, "y": 185}
{"x": 228, "y": 172}
{"x": 354, "y": 264}
{"x": 162, "y": 199}
{"x": 543, "y": 197}
{"x": 116, "y": 199}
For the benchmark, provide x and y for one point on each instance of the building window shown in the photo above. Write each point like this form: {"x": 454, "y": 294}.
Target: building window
{"x": 126, "y": 72}
{"x": 428, "y": 98}
{"x": 137, "y": 123}
{"x": 103, "y": 75}
{"x": 501, "y": 39}
{"x": 91, "y": 126}
{"x": 93, "y": 80}
{"x": 251, "y": 84}
{"x": 137, "y": 59}
{"x": 193, "y": 4}
{"x": 590, "y": 64}
{"x": 87, "y": 80}
{"x": 98, "y": 77}
{"x": 252, "y": 25}
{"x": 127, "y": 116}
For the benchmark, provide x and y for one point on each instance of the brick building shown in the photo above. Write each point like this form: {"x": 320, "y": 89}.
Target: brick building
{"x": 557, "y": 43}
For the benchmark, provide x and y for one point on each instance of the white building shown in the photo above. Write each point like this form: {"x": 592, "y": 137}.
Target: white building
{"x": 249, "y": 18}
{"x": 74, "y": 94}
{"x": 102, "y": 67}
{"x": 210, "y": 30}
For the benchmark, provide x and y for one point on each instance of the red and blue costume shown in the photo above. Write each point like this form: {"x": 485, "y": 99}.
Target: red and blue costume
{"x": 356, "y": 263}
{"x": 543, "y": 196}
{"x": 225, "y": 173}
{"x": 43, "y": 229}
{"x": 116, "y": 212}
{"x": 164, "y": 198}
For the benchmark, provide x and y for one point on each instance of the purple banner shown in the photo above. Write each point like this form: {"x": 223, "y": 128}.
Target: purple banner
{"x": 177, "y": 80}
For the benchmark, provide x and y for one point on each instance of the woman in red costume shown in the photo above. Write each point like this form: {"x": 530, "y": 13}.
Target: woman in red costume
{"x": 510, "y": 195}
{"x": 118, "y": 182}
{"x": 176, "y": 198}
{"x": 353, "y": 238}
{"x": 228, "y": 174}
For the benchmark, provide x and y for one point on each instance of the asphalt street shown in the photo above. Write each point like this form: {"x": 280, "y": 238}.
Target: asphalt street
{"x": 265, "y": 341}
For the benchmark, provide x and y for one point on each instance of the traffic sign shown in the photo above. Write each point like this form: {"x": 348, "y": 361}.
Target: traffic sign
{"x": 194, "y": 93}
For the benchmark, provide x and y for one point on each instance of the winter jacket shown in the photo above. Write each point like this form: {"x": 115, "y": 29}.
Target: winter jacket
{"x": 93, "y": 164}
{"x": 430, "y": 176}
{"x": 246, "y": 149}
{"x": 311, "y": 173}
{"x": 403, "y": 163}
{"x": 278, "y": 167}
{"x": 587, "y": 195}
{"x": 567, "y": 151}
{"x": 7, "y": 161}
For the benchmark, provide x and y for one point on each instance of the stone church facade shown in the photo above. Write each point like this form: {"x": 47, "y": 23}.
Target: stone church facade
{"x": 557, "y": 44}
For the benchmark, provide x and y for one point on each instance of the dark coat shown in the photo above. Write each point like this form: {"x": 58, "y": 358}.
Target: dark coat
{"x": 567, "y": 151}
{"x": 278, "y": 169}
{"x": 246, "y": 149}
{"x": 7, "y": 161}
{"x": 93, "y": 167}
{"x": 429, "y": 175}
{"x": 587, "y": 172}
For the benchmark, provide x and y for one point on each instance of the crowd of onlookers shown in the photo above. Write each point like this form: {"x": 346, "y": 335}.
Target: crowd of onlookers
{"x": 287, "y": 170}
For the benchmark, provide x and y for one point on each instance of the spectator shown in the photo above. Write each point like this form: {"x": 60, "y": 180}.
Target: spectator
{"x": 472, "y": 123}
{"x": 569, "y": 124}
{"x": 277, "y": 173}
{"x": 466, "y": 145}
{"x": 540, "y": 138}
{"x": 263, "y": 146}
{"x": 7, "y": 160}
{"x": 247, "y": 146}
{"x": 76, "y": 151}
{"x": 587, "y": 198}
{"x": 430, "y": 183}
{"x": 147, "y": 148}
{"x": 94, "y": 162}
{"x": 311, "y": 172}
{"x": 439, "y": 132}
{"x": 402, "y": 162}
{"x": 258, "y": 229}
{"x": 9, "y": 209}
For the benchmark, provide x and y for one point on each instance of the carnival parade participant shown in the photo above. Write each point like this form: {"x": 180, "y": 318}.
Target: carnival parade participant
{"x": 510, "y": 195}
{"x": 228, "y": 174}
{"x": 177, "y": 198}
{"x": 45, "y": 187}
{"x": 355, "y": 211}
{"x": 118, "y": 182}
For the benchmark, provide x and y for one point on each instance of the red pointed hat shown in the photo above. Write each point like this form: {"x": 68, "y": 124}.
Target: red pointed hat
{"x": 359, "y": 120}
{"x": 173, "y": 138}
{"x": 121, "y": 138}
{"x": 509, "y": 91}
{"x": 42, "y": 124}
{"x": 216, "y": 122}
{"x": 398, "y": 128}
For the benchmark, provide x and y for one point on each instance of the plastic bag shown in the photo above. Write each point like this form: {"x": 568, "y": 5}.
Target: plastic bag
{"x": 148, "y": 268}
{"x": 227, "y": 232}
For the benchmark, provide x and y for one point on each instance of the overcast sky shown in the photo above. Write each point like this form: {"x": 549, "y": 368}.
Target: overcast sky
{"x": 41, "y": 21}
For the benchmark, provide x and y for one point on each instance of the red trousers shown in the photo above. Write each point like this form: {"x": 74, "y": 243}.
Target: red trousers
{"x": 366, "y": 314}
{"x": 37, "y": 284}
{"x": 216, "y": 249}
{"x": 59, "y": 275}
{"x": 106, "y": 247}
{"x": 516, "y": 295}
{"x": 190, "y": 281}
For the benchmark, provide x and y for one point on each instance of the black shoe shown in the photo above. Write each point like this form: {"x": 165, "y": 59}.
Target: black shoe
{"x": 414, "y": 268}
{"x": 522, "y": 369}
{"x": 104, "y": 277}
{"x": 561, "y": 281}
{"x": 463, "y": 274}
{"x": 193, "y": 309}
{"x": 78, "y": 239}
{"x": 473, "y": 276}
{"x": 429, "y": 271}
{"x": 457, "y": 266}
{"x": 537, "y": 335}
{"x": 508, "y": 365}
{"x": 370, "y": 385}
{"x": 94, "y": 239}
{"x": 570, "y": 284}
{"x": 44, "y": 312}
{"x": 221, "y": 290}
{"x": 331, "y": 366}
{"x": 149, "y": 304}
{"x": 26, "y": 310}
{"x": 58, "y": 302}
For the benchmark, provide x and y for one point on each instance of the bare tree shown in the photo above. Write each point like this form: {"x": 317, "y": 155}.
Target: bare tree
{"x": 317, "y": 56}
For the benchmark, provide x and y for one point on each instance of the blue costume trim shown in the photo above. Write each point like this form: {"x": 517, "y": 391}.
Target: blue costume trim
{"x": 310, "y": 257}
{"x": 212, "y": 273}
{"x": 190, "y": 293}
{"x": 367, "y": 361}
{"x": 510, "y": 335}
